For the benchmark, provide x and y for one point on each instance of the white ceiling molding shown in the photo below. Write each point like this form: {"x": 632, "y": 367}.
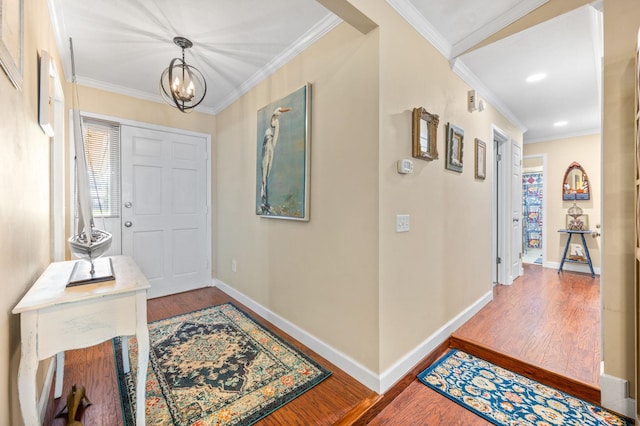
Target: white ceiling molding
{"x": 458, "y": 67}
{"x": 420, "y": 24}
{"x": 316, "y": 32}
{"x": 518, "y": 11}
{"x": 557, "y": 136}
{"x": 127, "y": 91}
{"x": 57, "y": 21}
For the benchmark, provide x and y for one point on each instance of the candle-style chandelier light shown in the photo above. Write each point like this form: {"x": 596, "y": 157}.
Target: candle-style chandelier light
{"x": 182, "y": 85}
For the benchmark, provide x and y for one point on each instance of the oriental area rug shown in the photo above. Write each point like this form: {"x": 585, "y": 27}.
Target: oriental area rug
{"x": 215, "y": 366}
{"x": 506, "y": 398}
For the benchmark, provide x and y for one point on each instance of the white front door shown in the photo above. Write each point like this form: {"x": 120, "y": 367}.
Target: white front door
{"x": 165, "y": 212}
{"x": 516, "y": 211}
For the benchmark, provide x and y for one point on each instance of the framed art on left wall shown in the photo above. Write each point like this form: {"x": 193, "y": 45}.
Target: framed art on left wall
{"x": 11, "y": 34}
{"x": 282, "y": 160}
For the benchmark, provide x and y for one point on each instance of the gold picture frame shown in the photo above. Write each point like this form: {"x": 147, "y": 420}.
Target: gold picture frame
{"x": 424, "y": 134}
{"x": 481, "y": 160}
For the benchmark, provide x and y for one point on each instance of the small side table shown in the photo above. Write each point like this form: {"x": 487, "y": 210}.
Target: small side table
{"x": 571, "y": 233}
{"x": 54, "y": 318}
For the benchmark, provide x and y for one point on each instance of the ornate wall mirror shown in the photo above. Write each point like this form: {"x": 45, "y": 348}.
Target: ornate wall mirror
{"x": 575, "y": 185}
{"x": 424, "y": 132}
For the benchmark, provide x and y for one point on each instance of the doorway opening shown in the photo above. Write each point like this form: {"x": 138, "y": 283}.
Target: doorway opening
{"x": 533, "y": 209}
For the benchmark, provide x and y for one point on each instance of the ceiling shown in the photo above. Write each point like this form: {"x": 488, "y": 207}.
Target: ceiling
{"x": 123, "y": 46}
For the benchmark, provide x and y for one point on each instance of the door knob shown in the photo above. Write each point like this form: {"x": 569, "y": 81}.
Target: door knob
{"x": 128, "y": 224}
{"x": 515, "y": 219}
{"x": 128, "y": 204}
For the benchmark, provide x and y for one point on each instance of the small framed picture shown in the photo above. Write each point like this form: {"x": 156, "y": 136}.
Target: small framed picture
{"x": 455, "y": 141}
{"x": 481, "y": 159}
{"x": 424, "y": 132}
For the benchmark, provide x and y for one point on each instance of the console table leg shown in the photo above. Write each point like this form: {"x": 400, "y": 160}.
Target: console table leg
{"x": 142, "y": 335}
{"x": 57, "y": 393}
{"x": 27, "y": 371}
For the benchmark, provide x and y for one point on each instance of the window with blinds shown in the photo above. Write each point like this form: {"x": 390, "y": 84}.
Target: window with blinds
{"x": 102, "y": 149}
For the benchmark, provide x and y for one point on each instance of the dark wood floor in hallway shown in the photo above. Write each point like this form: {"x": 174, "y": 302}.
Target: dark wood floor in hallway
{"x": 547, "y": 319}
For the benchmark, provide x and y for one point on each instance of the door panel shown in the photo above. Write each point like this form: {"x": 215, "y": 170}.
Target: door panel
{"x": 164, "y": 180}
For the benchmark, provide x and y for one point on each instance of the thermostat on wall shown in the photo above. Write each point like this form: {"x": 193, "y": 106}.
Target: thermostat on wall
{"x": 405, "y": 166}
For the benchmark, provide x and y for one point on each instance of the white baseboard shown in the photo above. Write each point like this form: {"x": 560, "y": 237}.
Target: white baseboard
{"x": 573, "y": 267}
{"x": 379, "y": 384}
{"x": 46, "y": 389}
{"x": 614, "y": 395}
{"x": 344, "y": 362}
{"x": 400, "y": 368}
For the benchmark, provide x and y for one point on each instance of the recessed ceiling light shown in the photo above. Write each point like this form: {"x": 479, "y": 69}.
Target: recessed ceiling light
{"x": 536, "y": 77}
{"x": 560, "y": 123}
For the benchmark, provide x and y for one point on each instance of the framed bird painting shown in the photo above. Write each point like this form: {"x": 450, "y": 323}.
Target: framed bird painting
{"x": 282, "y": 160}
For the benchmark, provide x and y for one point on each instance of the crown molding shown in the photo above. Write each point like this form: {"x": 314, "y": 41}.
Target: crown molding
{"x": 59, "y": 33}
{"x": 458, "y": 67}
{"x": 562, "y": 135}
{"x": 504, "y": 19}
{"x": 314, "y": 34}
{"x": 127, "y": 91}
{"x": 410, "y": 14}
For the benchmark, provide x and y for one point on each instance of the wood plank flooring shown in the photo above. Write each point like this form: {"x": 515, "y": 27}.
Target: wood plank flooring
{"x": 546, "y": 319}
{"x": 324, "y": 404}
{"x": 541, "y": 318}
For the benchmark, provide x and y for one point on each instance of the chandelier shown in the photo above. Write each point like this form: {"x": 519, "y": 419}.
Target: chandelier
{"x": 181, "y": 84}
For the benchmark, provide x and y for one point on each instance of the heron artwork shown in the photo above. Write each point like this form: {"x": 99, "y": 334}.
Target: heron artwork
{"x": 268, "y": 150}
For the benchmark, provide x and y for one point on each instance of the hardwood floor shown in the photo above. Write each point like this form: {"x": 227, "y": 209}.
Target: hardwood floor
{"x": 550, "y": 321}
{"x": 547, "y": 319}
{"x": 324, "y": 404}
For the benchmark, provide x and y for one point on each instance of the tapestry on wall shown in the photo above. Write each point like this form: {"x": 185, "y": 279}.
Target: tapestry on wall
{"x": 282, "y": 160}
{"x": 532, "y": 209}
{"x": 215, "y": 366}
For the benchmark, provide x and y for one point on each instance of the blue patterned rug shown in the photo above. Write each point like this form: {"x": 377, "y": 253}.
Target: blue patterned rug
{"x": 506, "y": 398}
{"x": 215, "y": 366}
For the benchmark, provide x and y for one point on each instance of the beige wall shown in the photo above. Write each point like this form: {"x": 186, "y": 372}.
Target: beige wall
{"x": 24, "y": 191}
{"x": 443, "y": 265}
{"x": 346, "y": 276}
{"x": 321, "y": 275}
{"x": 621, "y": 22}
{"x": 586, "y": 150}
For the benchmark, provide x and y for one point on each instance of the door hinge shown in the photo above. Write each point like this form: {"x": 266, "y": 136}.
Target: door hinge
{"x": 520, "y": 255}
{"x": 498, "y": 260}
{"x": 499, "y": 157}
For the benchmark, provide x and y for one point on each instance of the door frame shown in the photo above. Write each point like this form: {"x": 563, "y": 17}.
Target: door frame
{"x": 501, "y": 240}
{"x": 143, "y": 125}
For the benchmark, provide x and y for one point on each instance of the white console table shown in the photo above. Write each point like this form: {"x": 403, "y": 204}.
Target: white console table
{"x": 54, "y": 318}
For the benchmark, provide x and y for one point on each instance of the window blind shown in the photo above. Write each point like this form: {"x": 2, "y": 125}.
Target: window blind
{"x": 102, "y": 149}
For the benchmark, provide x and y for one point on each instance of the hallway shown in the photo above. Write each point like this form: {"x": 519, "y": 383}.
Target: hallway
{"x": 546, "y": 319}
